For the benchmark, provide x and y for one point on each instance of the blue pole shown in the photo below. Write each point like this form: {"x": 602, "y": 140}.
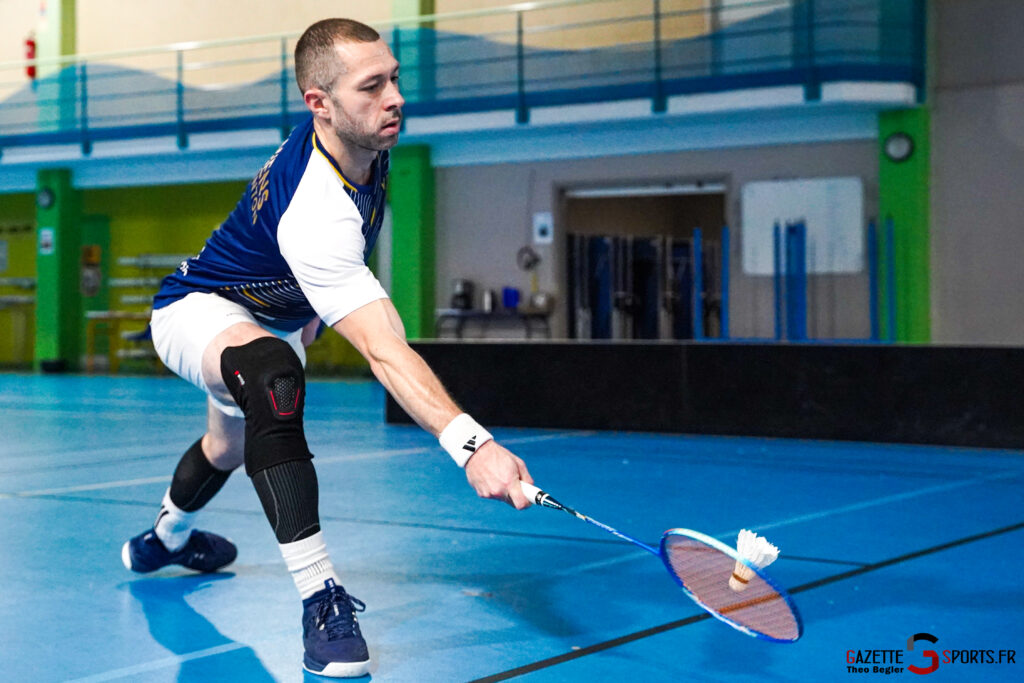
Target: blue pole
{"x": 725, "y": 282}
{"x": 919, "y": 49}
{"x": 777, "y": 253}
{"x": 659, "y": 103}
{"x": 873, "y": 280}
{"x": 698, "y": 286}
{"x": 522, "y": 113}
{"x": 84, "y": 115}
{"x": 890, "y": 278}
{"x": 790, "y": 280}
{"x": 801, "y": 275}
{"x": 796, "y": 282}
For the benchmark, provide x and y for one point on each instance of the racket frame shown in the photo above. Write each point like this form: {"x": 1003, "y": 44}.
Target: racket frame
{"x": 545, "y": 499}
{"x": 731, "y": 552}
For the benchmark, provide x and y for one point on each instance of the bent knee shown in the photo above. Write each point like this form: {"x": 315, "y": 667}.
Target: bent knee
{"x": 224, "y": 454}
{"x": 267, "y": 381}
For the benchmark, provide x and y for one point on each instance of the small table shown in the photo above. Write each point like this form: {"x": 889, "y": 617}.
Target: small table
{"x": 111, "y": 322}
{"x": 460, "y": 317}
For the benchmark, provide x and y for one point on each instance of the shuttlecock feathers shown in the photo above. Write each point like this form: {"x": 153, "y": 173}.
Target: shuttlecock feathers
{"x": 757, "y": 551}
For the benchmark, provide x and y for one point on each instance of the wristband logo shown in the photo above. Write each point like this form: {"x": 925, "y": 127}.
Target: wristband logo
{"x": 470, "y": 445}
{"x": 927, "y": 653}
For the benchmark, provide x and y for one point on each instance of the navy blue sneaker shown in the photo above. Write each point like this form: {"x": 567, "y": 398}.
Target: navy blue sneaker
{"x": 204, "y": 552}
{"x": 330, "y": 632}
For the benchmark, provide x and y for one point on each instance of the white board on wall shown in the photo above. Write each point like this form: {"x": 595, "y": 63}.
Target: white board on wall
{"x": 831, "y": 208}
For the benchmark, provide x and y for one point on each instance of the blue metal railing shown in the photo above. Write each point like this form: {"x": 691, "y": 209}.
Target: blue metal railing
{"x": 444, "y": 70}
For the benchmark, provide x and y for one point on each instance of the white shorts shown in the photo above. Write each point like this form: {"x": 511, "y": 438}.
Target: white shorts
{"x": 183, "y": 330}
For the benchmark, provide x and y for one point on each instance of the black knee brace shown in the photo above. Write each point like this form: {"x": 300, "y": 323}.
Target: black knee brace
{"x": 266, "y": 379}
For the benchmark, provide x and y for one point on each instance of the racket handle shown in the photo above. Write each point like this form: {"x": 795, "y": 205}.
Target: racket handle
{"x": 542, "y": 498}
{"x": 531, "y": 492}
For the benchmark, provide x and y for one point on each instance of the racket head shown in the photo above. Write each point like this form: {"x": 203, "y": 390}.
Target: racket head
{"x": 702, "y": 565}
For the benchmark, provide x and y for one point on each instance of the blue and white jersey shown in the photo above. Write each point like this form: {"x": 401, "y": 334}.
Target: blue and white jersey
{"x": 296, "y": 245}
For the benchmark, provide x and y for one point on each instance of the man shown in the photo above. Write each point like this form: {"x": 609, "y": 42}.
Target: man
{"x": 233, "y": 321}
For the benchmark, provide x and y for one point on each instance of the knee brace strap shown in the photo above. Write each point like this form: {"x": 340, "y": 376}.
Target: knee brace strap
{"x": 267, "y": 381}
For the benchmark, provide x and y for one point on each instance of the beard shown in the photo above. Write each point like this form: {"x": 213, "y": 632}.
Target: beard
{"x": 360, "y": 134}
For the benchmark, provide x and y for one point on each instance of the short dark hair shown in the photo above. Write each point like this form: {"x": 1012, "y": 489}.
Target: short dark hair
{"x": 316, "y": 61}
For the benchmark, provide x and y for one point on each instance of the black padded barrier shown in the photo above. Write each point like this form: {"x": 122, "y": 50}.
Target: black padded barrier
{"x": 959, "y": 396}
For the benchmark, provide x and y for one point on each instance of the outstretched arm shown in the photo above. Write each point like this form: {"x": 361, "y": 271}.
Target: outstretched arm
{"x": 377, "y": 332}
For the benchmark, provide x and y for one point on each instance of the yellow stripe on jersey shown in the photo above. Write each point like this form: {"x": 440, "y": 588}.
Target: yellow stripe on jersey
{"x": 343, "y": 178}
{"x": 247, "y": 295}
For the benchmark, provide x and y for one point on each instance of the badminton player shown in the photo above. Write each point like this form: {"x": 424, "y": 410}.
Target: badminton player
{"x": 235, "y": 319}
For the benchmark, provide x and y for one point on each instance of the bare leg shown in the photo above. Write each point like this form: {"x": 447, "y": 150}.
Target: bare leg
{"x": 224, "y": 441}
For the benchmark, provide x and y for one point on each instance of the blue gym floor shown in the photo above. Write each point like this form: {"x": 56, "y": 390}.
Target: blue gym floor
{"x": 879, "y": 542}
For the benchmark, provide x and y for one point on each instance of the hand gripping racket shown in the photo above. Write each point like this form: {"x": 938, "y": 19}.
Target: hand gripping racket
{"x": 702, "y": 566}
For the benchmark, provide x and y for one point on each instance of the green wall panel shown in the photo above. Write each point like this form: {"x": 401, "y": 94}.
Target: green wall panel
{"x": 904, "y": 191}
{"x": 58, "y": 303}
{"x": 411, "y": 193}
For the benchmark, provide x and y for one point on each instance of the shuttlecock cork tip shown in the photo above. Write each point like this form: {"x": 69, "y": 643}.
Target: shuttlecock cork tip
{"x": 757, "y": 551}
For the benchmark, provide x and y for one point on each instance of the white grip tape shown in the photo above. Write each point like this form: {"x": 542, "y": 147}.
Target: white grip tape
{"x": 462, "y": 437}
{"x": 530, "y": 491}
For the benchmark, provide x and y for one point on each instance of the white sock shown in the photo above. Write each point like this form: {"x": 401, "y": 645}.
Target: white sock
{"x": 308, "y": 563}
{"x": 173, "y": 525}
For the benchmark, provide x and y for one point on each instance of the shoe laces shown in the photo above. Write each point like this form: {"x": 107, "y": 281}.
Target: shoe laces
{"x": 336, "y": 613}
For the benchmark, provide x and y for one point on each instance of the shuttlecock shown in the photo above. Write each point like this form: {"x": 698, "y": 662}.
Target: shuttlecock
{"x": 757, "y": 551}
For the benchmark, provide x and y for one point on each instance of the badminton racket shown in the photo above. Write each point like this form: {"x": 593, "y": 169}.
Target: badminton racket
{"x": 702, "y": 566}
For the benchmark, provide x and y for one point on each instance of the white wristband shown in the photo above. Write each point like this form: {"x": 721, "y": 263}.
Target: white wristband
{"x": 462, "y": 437}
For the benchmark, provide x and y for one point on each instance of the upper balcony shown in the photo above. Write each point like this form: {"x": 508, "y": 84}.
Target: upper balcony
{"x": 537, "y": 64}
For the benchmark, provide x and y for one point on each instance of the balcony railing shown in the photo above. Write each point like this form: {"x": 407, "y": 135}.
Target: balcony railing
{"x": 515, "y": 58}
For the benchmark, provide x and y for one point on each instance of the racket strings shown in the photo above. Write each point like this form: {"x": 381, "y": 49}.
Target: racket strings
{"x": 704, "y": 571}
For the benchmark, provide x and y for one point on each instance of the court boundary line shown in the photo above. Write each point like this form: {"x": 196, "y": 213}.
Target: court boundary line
{"x": 885, "y": 500}
{"x": 322, "y": 460}
{"x": 162, "y": 663}
{"x": 662, "y": 628}
{"x": 377, "y": 522}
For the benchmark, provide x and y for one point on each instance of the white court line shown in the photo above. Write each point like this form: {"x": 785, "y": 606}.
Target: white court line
{"x": 123, "y": 483}
{"x": 161, "y": 663}
{"x": 895, "y": 498}
{"x": 369, "y": 455}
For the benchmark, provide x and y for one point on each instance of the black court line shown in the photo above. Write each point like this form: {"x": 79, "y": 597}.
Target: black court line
{"x": 655, "y": 630}
{"x": 823, "y": 560}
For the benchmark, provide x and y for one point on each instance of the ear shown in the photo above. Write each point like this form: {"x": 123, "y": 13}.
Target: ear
{"x": 318, "y": 102}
